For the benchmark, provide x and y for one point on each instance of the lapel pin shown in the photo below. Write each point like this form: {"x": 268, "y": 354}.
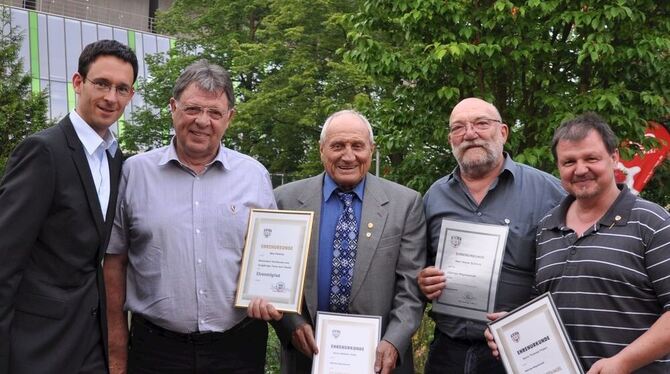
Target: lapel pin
{"x": 370, "y": 225}
{"x": 368, "y": 234}
{"x": 507, "y": 221}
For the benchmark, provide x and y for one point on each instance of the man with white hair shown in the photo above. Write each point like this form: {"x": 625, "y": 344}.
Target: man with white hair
{"x": 380, "y": 264}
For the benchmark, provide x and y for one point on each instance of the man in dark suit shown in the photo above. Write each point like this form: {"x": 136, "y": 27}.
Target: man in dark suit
{"x": 387, "y": 256}
{"x": 57, "y": 202}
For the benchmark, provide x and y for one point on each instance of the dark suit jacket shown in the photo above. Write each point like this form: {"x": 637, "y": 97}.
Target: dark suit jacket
{"x": 52, "y": 241}
{"x": 388, "y": 261}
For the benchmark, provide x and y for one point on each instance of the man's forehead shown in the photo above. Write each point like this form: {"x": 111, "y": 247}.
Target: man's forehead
{"x": 194, "y": 93}
{"x": 346, "y": 125}
{"x": 473, "y": 108}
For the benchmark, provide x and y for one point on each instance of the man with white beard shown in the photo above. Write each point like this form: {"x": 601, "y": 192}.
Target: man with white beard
{"x": 487, "y": 187}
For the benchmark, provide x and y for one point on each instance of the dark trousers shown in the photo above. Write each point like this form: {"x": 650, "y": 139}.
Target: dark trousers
{"x": 240, "y": 350}
{"x": 457, "y": 356}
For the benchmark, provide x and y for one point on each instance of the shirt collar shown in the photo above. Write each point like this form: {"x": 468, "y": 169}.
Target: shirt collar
{"x": 90, "y": 139}
{"x": 617, "y": 214}
{"x": 171, "y": 155}
{"x": 329, "y": 187}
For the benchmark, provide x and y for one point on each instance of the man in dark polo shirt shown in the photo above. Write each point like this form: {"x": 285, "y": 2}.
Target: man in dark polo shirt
{"x": 604, "y": 254}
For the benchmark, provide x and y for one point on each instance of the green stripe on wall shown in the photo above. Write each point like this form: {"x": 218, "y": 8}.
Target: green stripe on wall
{"x": 33, "y": 34}
{"x": 131, "y": 40}
{"x": 71, "y": 98}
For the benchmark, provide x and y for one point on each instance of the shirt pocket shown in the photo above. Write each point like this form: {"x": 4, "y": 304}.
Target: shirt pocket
{"x": 232, "y": 220}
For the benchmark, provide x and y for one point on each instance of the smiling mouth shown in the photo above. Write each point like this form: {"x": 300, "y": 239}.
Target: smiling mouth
{"x": 199, "y": 134}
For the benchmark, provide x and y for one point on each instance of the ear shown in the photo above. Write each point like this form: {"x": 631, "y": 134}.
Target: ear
{"x": 504, "y": 132}
{"x": 231, "y": 114}
{"x": 615, "y": 157}
{"x": 173, "y": 105}
{"x": 77, "y": 82}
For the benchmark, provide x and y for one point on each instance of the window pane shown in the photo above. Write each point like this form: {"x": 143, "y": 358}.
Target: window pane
{"x": 89, "y": 33}
{"x": 58, "y": 95}
{"x": 20, "y": 21}
{"x": 44, "y": 46}
{"x": 56, "y": 39}
{"x": 104, "y": 32}
{"x": 73, "y": 45}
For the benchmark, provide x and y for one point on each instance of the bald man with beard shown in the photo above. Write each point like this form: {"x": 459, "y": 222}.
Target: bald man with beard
{"x": 486, "y": 187}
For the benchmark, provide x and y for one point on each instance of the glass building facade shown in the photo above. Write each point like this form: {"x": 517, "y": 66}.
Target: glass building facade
{"x": 51, "y": 47}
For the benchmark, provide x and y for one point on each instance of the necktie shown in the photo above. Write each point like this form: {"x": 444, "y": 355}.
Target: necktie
{"x": 344, "y": 255}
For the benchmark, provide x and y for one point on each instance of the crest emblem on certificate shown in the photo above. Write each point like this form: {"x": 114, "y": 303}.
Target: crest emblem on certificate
{"x": 455, "y": 241}
{"x": 267, "y": 232}
{"x": 515, "y": 336}
{"x": 336, "y": 334}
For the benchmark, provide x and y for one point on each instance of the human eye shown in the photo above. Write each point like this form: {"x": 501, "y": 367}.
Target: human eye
{"x": 124, "y": 90}
{"x": 457, "y": 128}
{"x": 567, "y": 162}
{"x": 102, "y": 84}
{"x": 192, "y": 110}
{"x": 482, "y": 123}
{"x": 215, "y": 114}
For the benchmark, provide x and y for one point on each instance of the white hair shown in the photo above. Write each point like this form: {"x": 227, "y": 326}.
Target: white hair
{"x": 324, "y": 129}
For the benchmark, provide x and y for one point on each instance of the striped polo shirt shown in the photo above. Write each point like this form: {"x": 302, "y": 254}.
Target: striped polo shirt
{"x": 611, "y": 284}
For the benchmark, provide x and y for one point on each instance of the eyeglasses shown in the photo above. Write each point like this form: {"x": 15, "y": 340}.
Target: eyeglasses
{"x": 196, "y": 110}
{"x": 105, "y": 86}
{"x": 478, "y": 125}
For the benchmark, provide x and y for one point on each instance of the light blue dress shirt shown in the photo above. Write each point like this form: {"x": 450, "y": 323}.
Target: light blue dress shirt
{"x": 331, "y": 208}
{"x": 184, "y": 236}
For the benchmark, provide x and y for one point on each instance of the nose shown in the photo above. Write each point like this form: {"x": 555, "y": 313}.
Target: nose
{"x": 470, "y": 132}
{"x": 581, "y": 168}
{"x": 111, "y": 95}
{"x": 202, "y": 119}
{"x": 348, "y": 154}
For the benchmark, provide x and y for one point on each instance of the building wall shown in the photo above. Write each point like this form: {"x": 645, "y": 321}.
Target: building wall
{"x": 129, "y": 14}
{"x": 51, "y": 47}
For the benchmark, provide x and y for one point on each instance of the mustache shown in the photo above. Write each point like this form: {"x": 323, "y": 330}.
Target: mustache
{"x": 582, "y": 178}
{"x": 473, "y": 144}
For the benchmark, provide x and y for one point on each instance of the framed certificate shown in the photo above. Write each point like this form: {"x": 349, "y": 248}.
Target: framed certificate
{"x": 275, "y": 258}
{"x": 531, "y": 339}
{"x": 470, "y": 254}
{"x": 347, "y": 343}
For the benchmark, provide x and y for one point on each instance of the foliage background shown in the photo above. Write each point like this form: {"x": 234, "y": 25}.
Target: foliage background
{"x": 405, "y": 64}
{"x": 22, "y": 112}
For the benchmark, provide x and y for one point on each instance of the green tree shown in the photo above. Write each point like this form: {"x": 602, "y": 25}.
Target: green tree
{"x": 539, "y": 62}
{"x": 22, "y": 112}
{"x": 283, "y": 61}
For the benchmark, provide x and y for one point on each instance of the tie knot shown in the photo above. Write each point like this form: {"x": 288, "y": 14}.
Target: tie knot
{"x": 346, "y": 197}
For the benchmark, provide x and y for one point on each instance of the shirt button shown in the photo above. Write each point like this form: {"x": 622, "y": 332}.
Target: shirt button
{"x": 201, "y": 292}
{"x": 479, "y": 214}
{"x": 200, "y": 261}
{"x": 202, "y": 321}
{"x": 197, "y": 203}
{"x": 197, "y": 231}
{"x": 573, "y": 251}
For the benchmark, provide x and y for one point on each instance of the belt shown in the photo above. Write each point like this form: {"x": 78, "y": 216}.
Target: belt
{"x": 191, "y": 337}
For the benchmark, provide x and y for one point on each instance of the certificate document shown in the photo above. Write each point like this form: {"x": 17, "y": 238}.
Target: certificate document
{"x": 531, "y": 339}
{"x": 347, "y": 343}
{"x": 275, "y": 258}
{"x": 470, "y": 254}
